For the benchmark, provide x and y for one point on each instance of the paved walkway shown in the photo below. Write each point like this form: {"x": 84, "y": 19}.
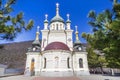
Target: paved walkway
{"x": 91, "y": 77}
{"x": 38, "y": 78}
{"x": 55, "y": 78}
{"x": 99, "y": 77}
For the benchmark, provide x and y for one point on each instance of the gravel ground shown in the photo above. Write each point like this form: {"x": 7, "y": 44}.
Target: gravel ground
{"x": 91, "y": 77}
{"x": 99, "y": 77}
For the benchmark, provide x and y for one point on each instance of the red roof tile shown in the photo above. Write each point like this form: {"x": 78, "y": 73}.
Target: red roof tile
{"x": 57, "y": 46}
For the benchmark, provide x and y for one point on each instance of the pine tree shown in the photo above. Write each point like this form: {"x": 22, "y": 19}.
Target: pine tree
{"x": 106, "y": 33}
{"x": 10, "y": 26}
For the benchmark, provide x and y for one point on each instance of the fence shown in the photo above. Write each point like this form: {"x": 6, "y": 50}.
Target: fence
{"x": 107, "y": 71}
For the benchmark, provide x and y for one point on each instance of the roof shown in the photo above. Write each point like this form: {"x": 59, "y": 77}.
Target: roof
{"x": 80, "y": 47}
{"x": 57, "y": 18}
{"x": 45, "y": 21}
{"x": 68, "y": 21}
{"x": 77, "y": 42}
{"x": 56, "y": 46}
{"x": 36, "y": 42}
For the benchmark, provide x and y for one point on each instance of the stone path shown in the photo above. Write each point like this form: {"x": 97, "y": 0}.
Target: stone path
{"x": 38, "y": 78}
{"x": 90, "y": 77}
{"x": 99, "y": 77}
{"x": 55, "y": 78}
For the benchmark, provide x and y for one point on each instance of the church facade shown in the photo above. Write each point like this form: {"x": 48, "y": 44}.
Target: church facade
{"x": 57, "y": 54}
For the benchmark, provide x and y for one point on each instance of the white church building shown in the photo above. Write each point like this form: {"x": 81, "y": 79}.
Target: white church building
{"x": 56, "y": 54}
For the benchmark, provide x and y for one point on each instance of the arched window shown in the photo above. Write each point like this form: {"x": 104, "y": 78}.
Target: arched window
{"x": 56, "y": 26}
{"x": 44, "y": 62}
{"x": 60, "y": 26}
{"x": 68, "y": 63}
{"x": 53, "y": 26}
{"x": 81, "y": 63}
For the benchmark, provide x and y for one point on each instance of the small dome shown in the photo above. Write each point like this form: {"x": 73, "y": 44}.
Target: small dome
{"x": 57, "y": 18}
{"x": 68, "y": 21}
{"x": 45, "y": 21}
{"x": 56, "y": 46}
{"x": 36, "y": 42}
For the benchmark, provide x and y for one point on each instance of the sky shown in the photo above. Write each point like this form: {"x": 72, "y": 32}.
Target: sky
{"x": 36, "y": 10}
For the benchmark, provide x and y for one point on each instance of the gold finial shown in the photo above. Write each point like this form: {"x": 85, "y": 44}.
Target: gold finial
{"x": 77, "y": 38}
{"x": 57, "y": 8}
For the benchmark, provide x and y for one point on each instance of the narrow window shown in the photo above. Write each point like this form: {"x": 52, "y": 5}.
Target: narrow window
{"x": 56, "y": 61}
{"x": 81, "y": 63}
{"x": 61, "y": 26}
{"x": 56, "y": 26}
{"x": 68, "y": 63}
{"x": 44, "y": 62}
{"x": 53, "y": 26}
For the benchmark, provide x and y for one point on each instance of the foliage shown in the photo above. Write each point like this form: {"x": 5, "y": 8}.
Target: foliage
{"x": 9, "y": 25}
{"x": 106, "y": 33}
{"x": 95, "y": 60}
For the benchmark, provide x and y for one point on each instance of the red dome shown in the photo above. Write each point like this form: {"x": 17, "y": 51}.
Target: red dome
{"x": 56, "y": 46}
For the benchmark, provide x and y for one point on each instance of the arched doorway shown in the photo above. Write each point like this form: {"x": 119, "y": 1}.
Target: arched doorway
{"x": 32, "y": 67}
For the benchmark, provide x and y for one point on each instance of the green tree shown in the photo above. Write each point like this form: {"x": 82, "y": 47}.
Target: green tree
{"x": 96, "y": 59}
{"x": 106, "y": 33}
{"x": 92, "y": 58}
{"x": 10, "y": 26}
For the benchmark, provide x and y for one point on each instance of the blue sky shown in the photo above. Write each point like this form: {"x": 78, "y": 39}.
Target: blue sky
{"x": 78, "y": 10}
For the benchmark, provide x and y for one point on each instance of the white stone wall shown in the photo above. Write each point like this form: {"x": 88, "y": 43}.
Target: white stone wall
{"x": 59, "y": 36}
{"x": 56, "y": 60}
{"x": 44, "y": 39}
{"x": 69, "y": 39}
{"x": 37, "y": 60}
{"x": 77, "y": 69}
{"x": 76, "y": 57}
{"x": 2, "y": 71}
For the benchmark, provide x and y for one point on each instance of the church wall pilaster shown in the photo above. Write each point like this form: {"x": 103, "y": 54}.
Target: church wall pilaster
{"x": 44, "y": 42}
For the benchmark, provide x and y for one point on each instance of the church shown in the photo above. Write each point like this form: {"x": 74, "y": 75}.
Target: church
{"x": 56, "y": 54}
